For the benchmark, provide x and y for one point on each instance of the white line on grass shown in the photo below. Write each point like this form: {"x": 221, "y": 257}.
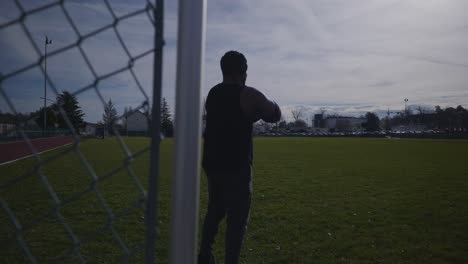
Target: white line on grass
{"x": 25, "y": 157}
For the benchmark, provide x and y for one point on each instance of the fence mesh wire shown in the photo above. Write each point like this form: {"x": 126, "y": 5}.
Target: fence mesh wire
{"x": 76, "y": 215}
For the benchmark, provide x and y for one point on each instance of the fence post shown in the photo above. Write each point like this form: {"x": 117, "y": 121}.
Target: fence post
{"x": 155, "y": 130}
{"x": 185, "y": 183}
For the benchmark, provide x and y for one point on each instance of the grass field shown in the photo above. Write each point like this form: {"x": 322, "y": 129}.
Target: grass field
{"x": 316, "y": 200}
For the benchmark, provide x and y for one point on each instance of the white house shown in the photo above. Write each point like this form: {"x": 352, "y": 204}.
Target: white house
{"x": 137, "y": 121}
{"x": 89, "y": 129}
{"x": 8, "y": 130}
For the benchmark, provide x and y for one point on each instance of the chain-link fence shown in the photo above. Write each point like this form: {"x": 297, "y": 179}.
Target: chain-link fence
{"x": 71, "y": 205}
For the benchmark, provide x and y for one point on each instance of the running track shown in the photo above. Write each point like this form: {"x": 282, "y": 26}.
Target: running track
{"x": 17, "y": 150}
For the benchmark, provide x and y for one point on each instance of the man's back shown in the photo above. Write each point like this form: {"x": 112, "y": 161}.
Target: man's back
{"x": 228, "y": 132}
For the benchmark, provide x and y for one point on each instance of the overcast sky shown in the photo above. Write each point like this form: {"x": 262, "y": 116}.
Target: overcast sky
{"x": 347, "y": 56}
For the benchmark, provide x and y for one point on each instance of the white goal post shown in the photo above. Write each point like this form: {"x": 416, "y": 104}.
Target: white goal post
{"x": 185, "y": 182}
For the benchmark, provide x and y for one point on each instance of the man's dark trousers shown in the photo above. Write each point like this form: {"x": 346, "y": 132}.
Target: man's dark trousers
{"x": 229, "y": 194}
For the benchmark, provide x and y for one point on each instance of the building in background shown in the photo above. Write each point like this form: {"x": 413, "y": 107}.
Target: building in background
{"x": 344, "y": 124}
{"x": 137, "y": 124}
{"x": 89, "y": 129}
{"x": 319, "y": 122}
{"x": 8, "y": 130}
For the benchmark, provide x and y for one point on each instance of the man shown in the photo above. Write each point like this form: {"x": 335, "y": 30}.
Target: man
{"x": 231, "y": 109}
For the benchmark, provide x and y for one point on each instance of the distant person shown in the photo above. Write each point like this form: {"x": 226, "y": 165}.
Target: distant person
{"x": 231, "y": 109}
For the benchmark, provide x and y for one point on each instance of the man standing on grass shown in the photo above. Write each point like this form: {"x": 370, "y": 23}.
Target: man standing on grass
{"x": 231, "y": 109}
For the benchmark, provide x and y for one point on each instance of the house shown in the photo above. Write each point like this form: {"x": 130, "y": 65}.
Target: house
{"x": 89, "y": 129}
{"x": 8, "y": 130}
{"x": 94, "y": 130}
{"x": 137, "y": 123}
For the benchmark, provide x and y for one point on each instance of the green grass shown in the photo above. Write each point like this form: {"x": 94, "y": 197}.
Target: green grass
{"x": 316, "y": 200}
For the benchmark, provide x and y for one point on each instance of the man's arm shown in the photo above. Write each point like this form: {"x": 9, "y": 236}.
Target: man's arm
{"x": 256, "y": 105}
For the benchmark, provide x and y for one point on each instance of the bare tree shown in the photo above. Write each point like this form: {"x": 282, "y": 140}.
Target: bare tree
{"x": 423, "y": 110}
{"x": 297, "y": 113}
{"x": 279, "y": 121}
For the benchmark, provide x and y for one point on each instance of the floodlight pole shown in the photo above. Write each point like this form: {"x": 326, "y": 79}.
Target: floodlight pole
{"x": 47, "y": 42}
{"x": 185, "y": 183}
{"x": 406, "y": 107}
{"x": 406, "y": 113}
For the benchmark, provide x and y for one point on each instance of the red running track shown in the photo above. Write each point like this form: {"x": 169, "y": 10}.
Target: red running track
{"x": 20, "y": 149}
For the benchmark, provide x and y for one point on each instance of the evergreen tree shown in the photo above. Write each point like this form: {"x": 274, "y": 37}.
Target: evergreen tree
{"x": 70, "y": 106}
{"x": 372, "y": 123}
{"x": 387, "y": 124}
{"x": 109, "y": 117}
{"x": 166, "y": 121}
{"x": 52, "y": 117}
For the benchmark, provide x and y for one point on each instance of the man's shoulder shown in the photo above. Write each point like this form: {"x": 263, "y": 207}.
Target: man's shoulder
{"x": 217, "y": 86}
{"x": 214, "y": 89}
{"x": 251, "y": 91}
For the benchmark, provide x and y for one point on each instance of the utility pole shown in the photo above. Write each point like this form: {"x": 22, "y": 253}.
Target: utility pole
{"x": 47, "y": 42}
{"x": 406, "y": 114}
{"x": 406, "y": 107}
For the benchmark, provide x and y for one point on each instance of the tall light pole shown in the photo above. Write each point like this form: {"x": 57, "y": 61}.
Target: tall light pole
{"x": 406, "y": 114}
{"x": 47, "y": 42}
{"x": 406, "y": 108}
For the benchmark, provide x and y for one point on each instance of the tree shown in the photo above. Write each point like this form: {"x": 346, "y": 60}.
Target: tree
{"x": 460, "y": 117}
{"x": 8, "y": 118}
{"x": 440, "y": 117}
{"x": 300, "y": 125}
{"x": 452, "y": 119}
{"x": 282, "y": 124}
{"x": 387, "y": 124}
{"x": 422, "y": 110}
{"x": 297, "y": 113}
{"x": 461, "y": 109}
{"x": 18, "y": 118}
{"x": 465, "y": 121}
{"x": 69, "y": 104}
{"x": 166, "y": 121}
{"x": 52, "y": 117}
{"x": 422, "y": 113}
{"x": 450, "y": 114}
{"x": 372, "y": 122}
{"x": 109, "y": 117}
{"x": 463, "y": 112}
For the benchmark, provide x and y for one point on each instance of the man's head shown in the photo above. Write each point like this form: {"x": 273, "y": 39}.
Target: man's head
{"x": 234, "y": 67}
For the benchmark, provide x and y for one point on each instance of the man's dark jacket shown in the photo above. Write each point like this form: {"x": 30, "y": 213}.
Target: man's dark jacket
{"x": 228, "y": 145}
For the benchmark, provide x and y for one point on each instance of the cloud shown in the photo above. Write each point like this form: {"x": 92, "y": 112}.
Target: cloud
{"x": 349, "y": 56}
{"x": 338, "y": 52}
